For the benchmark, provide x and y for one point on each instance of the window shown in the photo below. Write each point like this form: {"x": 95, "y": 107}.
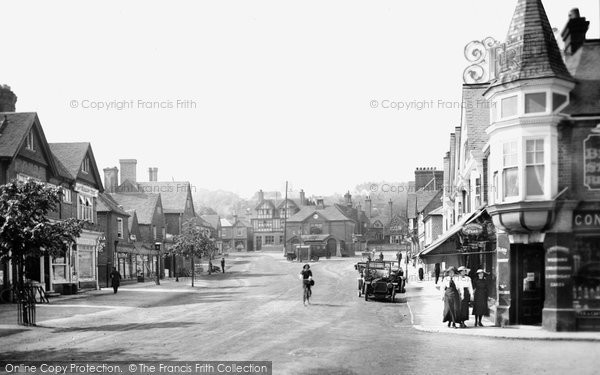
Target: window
{"x": 510, "y": 172}
{"x": 477, "y": 192}
{"x": 535, "y": 166}
{"x": 558, "y": 100}
{"x": 496, "y": 187}
{"x": 154, "y": 232}
{"x": 119, "y": 227}
{"x": 316, "y": 228}
{"x": 59, "y": 268}
{"x": 535, "y": 102}
{"x": 509, "y": 106}
{"x": 264, "y": 213}
{"x": 30, "y": 141}
{"x": 66, "y": 196}
{"x": 85, "y": 167}
{"x": 281, "y": 239}
{"x": 85, "y": 208}
{"x": 269, "y": 240}
{"x": 240, "y": 232}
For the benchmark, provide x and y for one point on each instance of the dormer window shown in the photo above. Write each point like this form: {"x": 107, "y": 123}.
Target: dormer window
{"x": 85, "y": 166}
{"x": 29, "y": 142}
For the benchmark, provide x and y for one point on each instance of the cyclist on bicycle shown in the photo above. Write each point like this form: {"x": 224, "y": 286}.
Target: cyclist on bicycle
{"x": 306, "y": 274}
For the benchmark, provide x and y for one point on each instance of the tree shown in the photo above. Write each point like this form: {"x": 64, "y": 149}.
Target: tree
{"x": 194, "y": 242}
{"x": 26, "y": 231}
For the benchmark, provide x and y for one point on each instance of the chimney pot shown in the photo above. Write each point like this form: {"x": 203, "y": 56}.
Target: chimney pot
{"x": 128, "y": 170}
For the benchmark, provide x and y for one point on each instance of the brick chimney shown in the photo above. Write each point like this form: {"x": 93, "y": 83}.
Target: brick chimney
{"x": 574, "y": 31}
{"x": 8, "y": 99}
{"x": 302, "y": 198}
{"x": 111, "y": 179}
{"x": 320, "y": 203}
{"x": 369, "y": 204}
{"x": 128, "y": 170}
{"x": 261, "y": 196}
{"x": 153, "y": 174}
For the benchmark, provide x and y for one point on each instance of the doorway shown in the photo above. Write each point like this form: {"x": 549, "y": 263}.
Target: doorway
{"x": 527, "y": 284}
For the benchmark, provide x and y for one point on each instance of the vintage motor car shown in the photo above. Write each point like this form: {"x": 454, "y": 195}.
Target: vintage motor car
{"x": 381, "y": 280}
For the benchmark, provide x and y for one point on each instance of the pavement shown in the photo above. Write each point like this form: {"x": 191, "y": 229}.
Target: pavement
{"x": 425, "y": 305}
{"x": 255, "y": 312}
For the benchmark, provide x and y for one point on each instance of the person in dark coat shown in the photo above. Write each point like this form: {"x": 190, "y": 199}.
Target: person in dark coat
{"x": 437, "y": 271}
{"x": 421, "y": 274}
{"x": 451, "y": 298}
{"x": 115, "y": 276}
{"x": 223, "y": 265}
{"x": 480, "y": 302}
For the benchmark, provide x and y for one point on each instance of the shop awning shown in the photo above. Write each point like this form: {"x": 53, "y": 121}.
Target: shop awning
{"x": 441, "y": 244}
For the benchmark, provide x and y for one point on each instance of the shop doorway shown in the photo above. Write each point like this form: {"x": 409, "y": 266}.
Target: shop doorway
{"x": 527, "y": 284}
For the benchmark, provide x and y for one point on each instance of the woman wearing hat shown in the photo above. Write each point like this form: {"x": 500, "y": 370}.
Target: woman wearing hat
{"x": 465, "y": 288}
{"x": 450, "y": 297}
{"x": 480, "y": 304}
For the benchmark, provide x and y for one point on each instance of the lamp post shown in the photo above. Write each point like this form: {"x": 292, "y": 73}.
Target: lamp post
{"x": 157, "y": 248}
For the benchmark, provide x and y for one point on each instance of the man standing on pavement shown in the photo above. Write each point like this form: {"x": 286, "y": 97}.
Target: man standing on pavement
{"x": 223, "y": 265}
{"x": 116, "y": 279}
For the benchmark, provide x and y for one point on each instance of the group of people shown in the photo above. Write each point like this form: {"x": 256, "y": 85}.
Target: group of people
{"x": 459, "y": 292}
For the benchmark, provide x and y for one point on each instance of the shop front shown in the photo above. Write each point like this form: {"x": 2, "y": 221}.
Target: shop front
{"x": 76, "y": 269}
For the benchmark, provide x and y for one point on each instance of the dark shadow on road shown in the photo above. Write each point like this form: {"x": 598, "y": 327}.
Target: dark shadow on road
{"x": 11, "y": 331}
{"x": 73, "y": 354}
{"x": 124, "y": 327}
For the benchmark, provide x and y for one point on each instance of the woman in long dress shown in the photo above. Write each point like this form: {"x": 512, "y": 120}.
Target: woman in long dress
{"x": 480, "y": 302}
{"x": 465, "y": 288}
{"x": 450, "y": 297}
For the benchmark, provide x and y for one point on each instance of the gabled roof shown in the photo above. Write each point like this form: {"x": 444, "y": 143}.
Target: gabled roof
{"x": 583, "y": 65}
{"x": 436, "y": 212}
{"x": 71, "y": 156}
{"x": 411, "y": 205}
{"x": 268, "y": 202}
{"x": 530, "y": 36}
{"x": 353, "y": 213}
{"x": 14, "y": 127}
{"x": 213, "y": 220}
{"x": 106, "y": 203}
{"x": 143, "y": 204}
{"x": 291, "y": 203}
{"x": 424, "y": 197}
{"x": 174, "y": 194}
{"x": 330, "y": 213}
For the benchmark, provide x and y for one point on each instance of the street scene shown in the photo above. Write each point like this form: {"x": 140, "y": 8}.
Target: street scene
{"x": 273, "y": 187}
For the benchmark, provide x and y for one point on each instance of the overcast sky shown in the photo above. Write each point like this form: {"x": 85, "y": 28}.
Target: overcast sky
{"x": 282, "y": 90}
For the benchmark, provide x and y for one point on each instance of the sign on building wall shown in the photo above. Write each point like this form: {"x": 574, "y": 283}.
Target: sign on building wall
{"x": 591, "y": 162}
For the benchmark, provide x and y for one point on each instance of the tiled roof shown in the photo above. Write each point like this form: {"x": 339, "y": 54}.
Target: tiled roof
{"x": 213, "y": 220}
{"x": 14, "y": 131}
{"x": 584, "y": 65}
{"x": 424, "y": 197}
{"x": 268, "y": 201}
{"x": 411, "y": 205}
{"x": 106, "y": 203}
{"x": 530, "y": 36}
{"x": 174, "y": 194}
{"x": 143, "y": 204}
{"x": 71, "y": 155}
{"x": 330, "y": 213}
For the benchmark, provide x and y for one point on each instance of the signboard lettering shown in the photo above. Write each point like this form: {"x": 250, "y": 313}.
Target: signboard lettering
{"x": 591, "y": 162}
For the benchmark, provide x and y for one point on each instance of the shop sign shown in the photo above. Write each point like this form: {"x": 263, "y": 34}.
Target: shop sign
{"x": 586, "y": 220}
{"x": 591, "y": 162}
{"x": 558, "y": 267}
{"x": 472, "y": 229}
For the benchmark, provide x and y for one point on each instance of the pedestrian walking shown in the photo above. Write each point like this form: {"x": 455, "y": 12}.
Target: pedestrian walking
{"x": 465, "y": 288}
{"x": 451, "y": 297}
{"x": 307, "y": 283}
{"x": 115, "y": 277}
{"x": 437, "y": 271}
{"x": 480, "y": 302}
{"x": 381, "y": 256}
{"x": 421, "y": 274}
{"x": 223, "y": 265}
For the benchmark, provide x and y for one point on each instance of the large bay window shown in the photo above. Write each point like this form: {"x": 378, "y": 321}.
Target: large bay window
{"x": 509, "y": 106}
{"x": 85, "y": 208}
{"x": 535, "y": 102}
{"x": 510, "y": 170}
{"x": 534, "y": 168}
{"x": 528, "y": 104}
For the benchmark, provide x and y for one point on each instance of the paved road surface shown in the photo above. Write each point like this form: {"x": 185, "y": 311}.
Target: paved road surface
{"x": 255, "y": 312}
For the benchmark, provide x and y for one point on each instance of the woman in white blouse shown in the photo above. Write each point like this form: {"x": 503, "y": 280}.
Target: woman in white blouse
{"x": 451, "y": 297}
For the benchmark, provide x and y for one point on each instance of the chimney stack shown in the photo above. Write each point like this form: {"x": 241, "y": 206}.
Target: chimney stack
{"x": 8, "y": 99}
{"x": 320, "y": 203}
{"x": 302, "y": 198}
{"x": 153, "y": 174}
{"x": 369, "y": 204}
{"x": 111, "y": 179}
{"x": 574, "y": 32}
{"x": 261, "y": 196}
{"x": 128, "y": 170}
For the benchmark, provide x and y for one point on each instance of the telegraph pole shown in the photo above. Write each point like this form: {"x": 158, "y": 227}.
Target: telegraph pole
{"x": 285, "y": 221}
